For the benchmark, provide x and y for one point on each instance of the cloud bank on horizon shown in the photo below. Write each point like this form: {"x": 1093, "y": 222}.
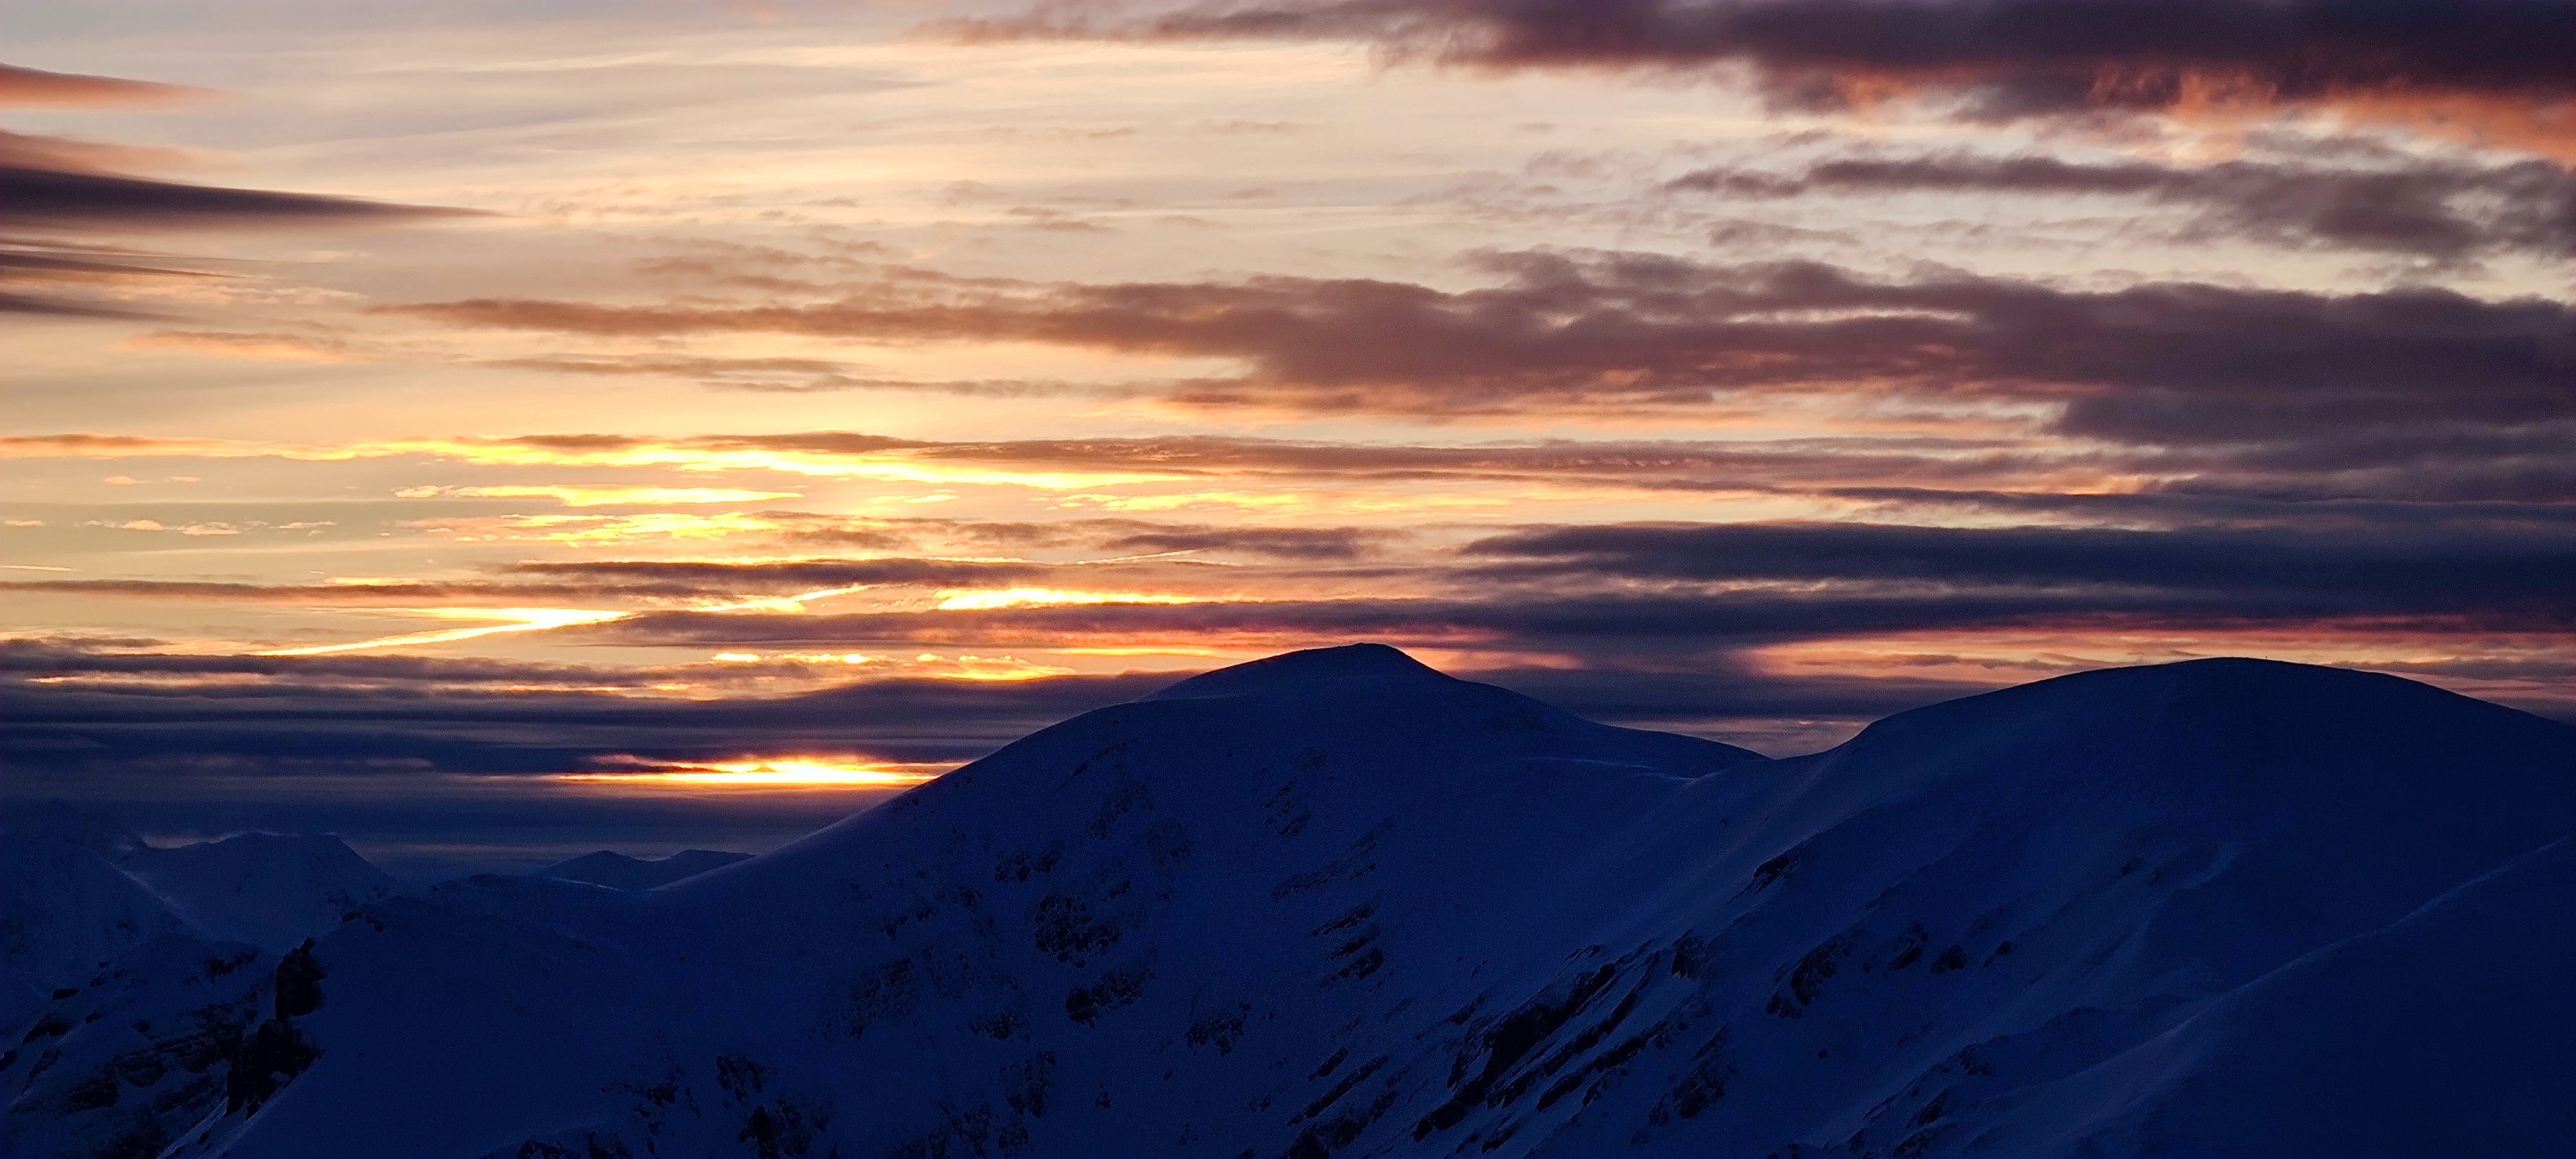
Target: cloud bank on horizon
{"x": 419, "y": 422}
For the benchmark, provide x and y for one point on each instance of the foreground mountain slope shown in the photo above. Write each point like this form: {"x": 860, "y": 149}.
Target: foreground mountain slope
{"x": 2444, "y": 1033}
{"x": 1336, "y": 903}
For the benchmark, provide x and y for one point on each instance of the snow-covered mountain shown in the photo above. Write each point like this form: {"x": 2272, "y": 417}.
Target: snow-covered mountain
{"x": 618, "y": 871}
{"x": 271, "y": 890}
{"x": 137, "y": 976}
{"x": 1335, "y": 903}
{"x": 123, "y": 1016}
{"x": 66, "y": 911}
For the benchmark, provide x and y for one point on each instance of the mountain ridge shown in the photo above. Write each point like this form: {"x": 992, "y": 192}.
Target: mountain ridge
{"x": 1316, "y": 911}
{"x": 272, "y": 890}
{"x": 616, "y": 870}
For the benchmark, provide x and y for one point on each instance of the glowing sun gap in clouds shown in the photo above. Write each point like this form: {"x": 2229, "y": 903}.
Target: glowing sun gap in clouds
{"x": 518, "y": 620}
{"x": 542, "y": 619}
{"x": 781, "y": 773}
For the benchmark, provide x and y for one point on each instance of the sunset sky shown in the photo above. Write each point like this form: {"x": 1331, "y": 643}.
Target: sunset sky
{"x": 494, "y": 431}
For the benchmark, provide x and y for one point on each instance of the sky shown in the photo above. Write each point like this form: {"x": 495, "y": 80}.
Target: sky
{"x": 497, "y": 431}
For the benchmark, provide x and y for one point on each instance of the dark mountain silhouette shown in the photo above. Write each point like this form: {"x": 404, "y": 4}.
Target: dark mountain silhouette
{"x": 1335, "y": 903}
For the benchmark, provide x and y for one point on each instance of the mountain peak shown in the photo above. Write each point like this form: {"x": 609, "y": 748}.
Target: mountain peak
{"x": 618, "y": 871}
{"x": 1295, "y": 669}
{"x": 2286, "y": 695}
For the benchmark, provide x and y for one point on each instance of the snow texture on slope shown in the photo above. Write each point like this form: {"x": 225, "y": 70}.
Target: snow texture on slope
{"x": 1339, "y": 904}
{"x": 138, "y": 1052}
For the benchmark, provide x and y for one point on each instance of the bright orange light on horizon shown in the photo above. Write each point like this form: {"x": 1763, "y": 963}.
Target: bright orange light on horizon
{"x": 774, "y": 773}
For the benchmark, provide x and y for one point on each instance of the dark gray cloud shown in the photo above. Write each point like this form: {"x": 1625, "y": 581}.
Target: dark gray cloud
{"x": 33, "y": 658}
{"x": 599, "y": 580}
{"x": 63, "y": 307}
{"x": 59, "y": 197}
{"x": 2444, "y": 211}
{"x": 2157, "y": 364}
{"x": 1132, "y": 537}
{"x": 2423, "y": 460}
{"x": 575, "y": 580}
{"x": 1607, "y": 591}
{"x": 327, "y": 594}
{"x": 50, "y": 268}
{"x": 703, "y": 577}
{"x": 1222, "y": 455}
{"x": 1284, "y": 543}
{"x": 685, "y": 579}
{"x": 308, "y": 719}
{"x": 2201, "y": 506}
{"x": 1596, "y": 625}
{"x": 761, "y": 375}
{"x": 36, "y": 198}
{"x": 30, "y": 262}
{"x": 1998, "y": 58}
{"x": 1664, "y": 600}
{"x": 2232, "y": 573}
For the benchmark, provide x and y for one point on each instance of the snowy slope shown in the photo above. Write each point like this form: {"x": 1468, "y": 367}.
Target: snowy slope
{"x": 135, "y": 1054}
{"x": 2443, "y": 1033}
{"x": 135, "y": 1008}
{"x": 2099, "y": 860}
{"x": 271, "y": 890}
{"x": 65, "y": 911}
{"x": 618, "y": 871}
{"x": 1338, "y": 904}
